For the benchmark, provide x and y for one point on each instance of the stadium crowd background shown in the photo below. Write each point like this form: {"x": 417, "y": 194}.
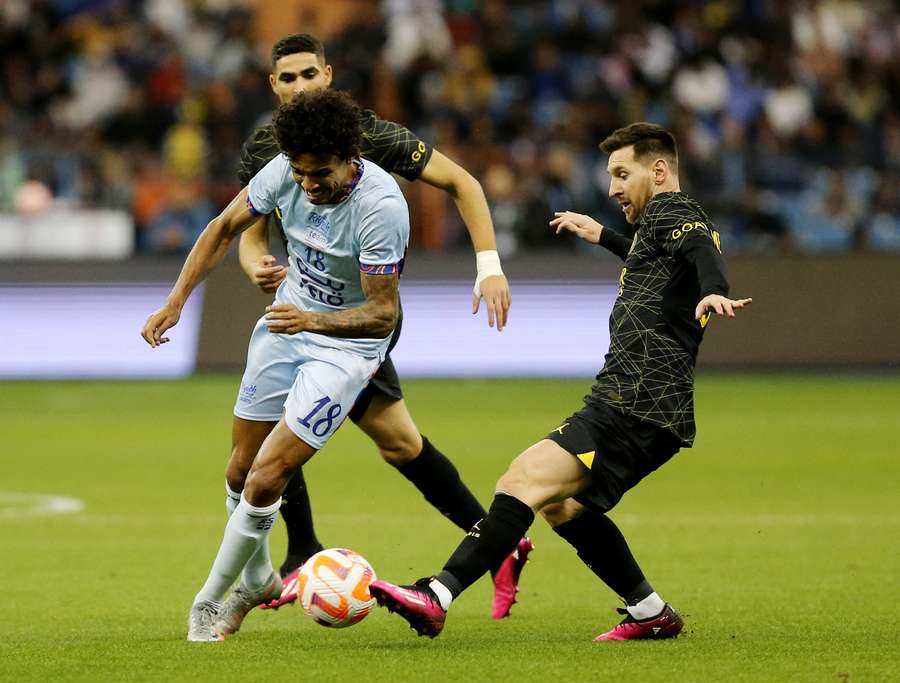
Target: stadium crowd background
{"x": 788, "y": 113}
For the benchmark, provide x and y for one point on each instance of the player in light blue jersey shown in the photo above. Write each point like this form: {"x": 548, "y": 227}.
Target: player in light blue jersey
{"x": 380, "y": 411}
{"x": 331, "y": 240}
{"x": 315, "y": 349}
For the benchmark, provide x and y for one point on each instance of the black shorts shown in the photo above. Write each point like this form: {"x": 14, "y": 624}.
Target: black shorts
{"x": 385, "y": 382}
{"x": 619, "y": 449}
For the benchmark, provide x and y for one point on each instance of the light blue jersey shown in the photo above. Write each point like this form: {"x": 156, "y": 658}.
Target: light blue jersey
{"x": 329, "y": 245}
{"x": 313, "y": 380}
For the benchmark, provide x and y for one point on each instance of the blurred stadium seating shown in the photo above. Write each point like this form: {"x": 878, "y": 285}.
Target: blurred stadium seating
{"x": 787, "y": 112}
{"x": 121, "y": 124}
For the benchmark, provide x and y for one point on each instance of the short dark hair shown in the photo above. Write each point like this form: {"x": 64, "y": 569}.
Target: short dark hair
{"x": 649, "y": 139}
{"x": 322, "y": 122}
{"x": 298, "y": 42}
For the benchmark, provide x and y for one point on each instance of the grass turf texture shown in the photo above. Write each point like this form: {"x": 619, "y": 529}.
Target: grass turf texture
{"x": 776, "y": 536}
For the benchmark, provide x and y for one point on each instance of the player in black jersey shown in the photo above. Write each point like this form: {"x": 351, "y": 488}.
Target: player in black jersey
{"x": 298, "y": 65}
{"x": 639, "y": 413}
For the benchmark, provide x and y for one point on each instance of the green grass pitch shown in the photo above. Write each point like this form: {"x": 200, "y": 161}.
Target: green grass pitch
{"x": 776, "y": 535}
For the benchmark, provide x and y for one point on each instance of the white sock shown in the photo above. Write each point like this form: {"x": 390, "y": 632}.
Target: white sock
{"x": 232, "y": 498}
{"x": 445, "y": 597}
{"x": 247, "y": 529}
{"x": 647, "y": 608}
{"x": 259, "y": 567}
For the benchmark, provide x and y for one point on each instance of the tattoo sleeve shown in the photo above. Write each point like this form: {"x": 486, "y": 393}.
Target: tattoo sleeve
{"x": 375, "y": 318}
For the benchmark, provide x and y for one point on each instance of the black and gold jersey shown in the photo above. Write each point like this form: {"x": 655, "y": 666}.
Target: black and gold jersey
{"x": 393, "y": 147}
{"x": 672, "y": 262}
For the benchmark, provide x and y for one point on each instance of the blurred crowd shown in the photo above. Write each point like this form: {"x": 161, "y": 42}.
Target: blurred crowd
{"x": 787, "y": 113}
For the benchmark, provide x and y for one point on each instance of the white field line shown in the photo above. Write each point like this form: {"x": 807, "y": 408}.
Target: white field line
{"x": 14, "y": 505}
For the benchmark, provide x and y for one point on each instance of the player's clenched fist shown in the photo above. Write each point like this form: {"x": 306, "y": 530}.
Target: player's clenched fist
{"x": 267, "y": 274}
{"x": 157, "y": 324}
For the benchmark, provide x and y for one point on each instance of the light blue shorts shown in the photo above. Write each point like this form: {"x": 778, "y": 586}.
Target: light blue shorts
{"x": 313, "y": 386}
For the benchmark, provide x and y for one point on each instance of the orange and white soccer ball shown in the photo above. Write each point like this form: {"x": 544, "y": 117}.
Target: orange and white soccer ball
{"x": 333, "y": 587}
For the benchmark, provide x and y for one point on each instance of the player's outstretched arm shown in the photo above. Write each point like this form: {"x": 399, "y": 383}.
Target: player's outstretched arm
{"x": 591, "y": 231}
{"x": 206, "y": 254}
{"x": 578, "y": 224}
{"x": 256, "y": 261}
{"x": 490, "y": 283}
{"x": 719, "y": 304}
{"x": 376, "y": 318}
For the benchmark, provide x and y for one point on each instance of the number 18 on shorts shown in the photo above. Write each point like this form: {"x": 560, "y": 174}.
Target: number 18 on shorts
{"x": 314, "y": 385}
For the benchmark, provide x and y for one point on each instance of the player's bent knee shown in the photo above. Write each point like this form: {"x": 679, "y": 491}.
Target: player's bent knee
{"x": 236, "y": 484}
{"x": 237, "y": 470}
{"x": 511, "y": 481}
{"x": 563, "y": 511}
{"x": 266, "y": 482}
{"x": 520, "y": 473}
{"x": 388, "y": 423}
{"x": 262, "y": 488}
{"x": 247, "y": 438}
{"x": 553, "y": 514}
{"x": 396, "y": 446}
{"x": 515, "y": 482}
{"x": 396, "y": 458}
{"x": 399, "y": 452}
{"x": 542, "y": 475}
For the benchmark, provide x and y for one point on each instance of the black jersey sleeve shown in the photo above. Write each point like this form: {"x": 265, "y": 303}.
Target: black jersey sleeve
{"x": 615, "y": 242}
{"x": 686, "y": 234}
{"x": 257, "y": 151}
{"x": 393, "y": 147}
{"x": 709, "y": 264}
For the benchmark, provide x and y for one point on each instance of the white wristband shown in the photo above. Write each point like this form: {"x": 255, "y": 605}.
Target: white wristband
{"x": 488, "y": 265}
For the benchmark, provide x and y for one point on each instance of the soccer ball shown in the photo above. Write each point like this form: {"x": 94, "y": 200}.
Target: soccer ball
{"x": 333, "y": 587}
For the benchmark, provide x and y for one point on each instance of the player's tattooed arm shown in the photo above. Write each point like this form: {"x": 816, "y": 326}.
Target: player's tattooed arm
{"x": 376, "y": 318}
{"x": 206, "y": 254}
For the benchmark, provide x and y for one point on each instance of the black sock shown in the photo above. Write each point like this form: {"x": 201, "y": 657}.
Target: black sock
{"x": 603, "y": 549}
{"x": 297, "y": 514}
{"x": 438, "y": 480}
{"x": 487, "y": 543}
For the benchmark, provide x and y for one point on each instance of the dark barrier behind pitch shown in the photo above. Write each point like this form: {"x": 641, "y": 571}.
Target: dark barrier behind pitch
{"x": 808, "y": 311}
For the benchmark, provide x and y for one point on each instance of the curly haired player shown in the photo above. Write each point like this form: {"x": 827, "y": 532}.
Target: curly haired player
{"x": 347, "y": 226}
{"x": 299, "y": 65}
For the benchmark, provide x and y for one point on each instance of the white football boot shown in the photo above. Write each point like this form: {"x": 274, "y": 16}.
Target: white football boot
{"x": 200, "y": 623}
{"x": 241, "y": 601}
